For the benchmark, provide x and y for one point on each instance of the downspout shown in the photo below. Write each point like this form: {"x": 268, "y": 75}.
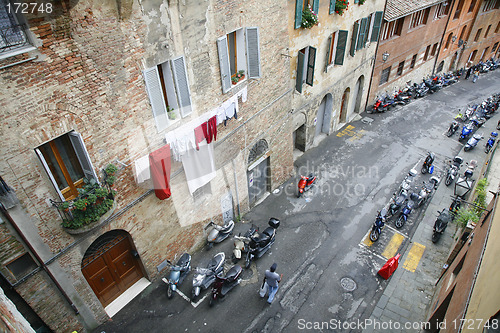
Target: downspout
{"x": 442, "y": 36}
{"x": 40, "y": 261}
{"x": 375, "y": 58}
{"x": 236, "y": 188}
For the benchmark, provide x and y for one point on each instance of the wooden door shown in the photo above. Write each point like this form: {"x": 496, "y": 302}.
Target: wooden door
{"x": 111, "y": 268}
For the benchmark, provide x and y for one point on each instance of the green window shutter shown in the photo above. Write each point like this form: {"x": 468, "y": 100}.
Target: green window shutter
{"x": 376, "y": 26}
{"x": 182, "y": 85}
{"x": 311, "y": 60}
{"x": 341, "y": 44}
{"x": 331, "y": 40}
{"x": 298, "y": 14}
{"x": 224, "y": 64}
{"x": 354, "y": 38}
{"x": 154, "y": 89}
{"x": 362, "y": 34}
{"x": 332, "y": 6}
{"x": 300, "y": 71}
{"x": 315, "y": 6}
{"x": 253, "y": 52}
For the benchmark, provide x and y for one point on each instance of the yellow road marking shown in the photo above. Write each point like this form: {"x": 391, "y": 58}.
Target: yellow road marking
{"x": 367, "y": 241}
{"x": 414, "y": 256}
{"x": 392, "y": 248}
{"x": 348, "y": 130}
{"x": 357, "y": 135}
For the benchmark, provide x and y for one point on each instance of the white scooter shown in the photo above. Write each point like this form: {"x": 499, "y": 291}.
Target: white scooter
{"x": 218, "y": 233}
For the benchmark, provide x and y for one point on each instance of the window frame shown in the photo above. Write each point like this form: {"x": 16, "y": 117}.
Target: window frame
{"x": 19, "y": 26}
{"x": 413, "y": 60}
{"x": 401, "y": 66}
{"x": 392, "y": 29}
{"x": 418, "y": 18}
{"x": 478, "y": 34}
{"x": 427, "y": 52}
{"x": 383, "y": 77}
{"x": 306, "y": 59}
{"x": 487, "y": 31}
{"x": 79, "y": 149}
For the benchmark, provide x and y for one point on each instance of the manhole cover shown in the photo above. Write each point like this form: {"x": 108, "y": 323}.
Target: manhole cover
{"x": 348, "y": 284}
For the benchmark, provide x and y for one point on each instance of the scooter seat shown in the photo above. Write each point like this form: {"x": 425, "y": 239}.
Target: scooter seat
{"x": 183, "y": 260}
{"x": 269, "y": 231}
{"x": 233, "y": 273}
{"x": 225, "y": 228}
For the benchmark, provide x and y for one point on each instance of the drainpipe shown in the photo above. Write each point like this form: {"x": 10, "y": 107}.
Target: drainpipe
{"x": 442, "y": 36}
{"x": 40, "y": 261}
{"x": 236, "y": 188}
{"x": 375, "y": 58}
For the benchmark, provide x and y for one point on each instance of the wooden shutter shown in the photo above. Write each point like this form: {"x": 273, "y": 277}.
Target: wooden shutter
{"x": 376, "y": 26}
{"x": 315, "y": 7}
{"x": 298, "y": 14}
{"x": 51, "y": 177}
{"x": 331, "y": 40}
{"x": 332, "y": 6}
{"x": 354, "y": 38}
{"x": 341, "y": 44}
{"x": 182, "y": 85}
{"x": 362, "y": 34}
{"x": 300, "y": 71}
{"x": 253, "y": 52}
{"x": 311, "y": 60}
{"x": 224, "y": 64}
{"x": 155, "y": 92}
{"x": 83, "y": 155}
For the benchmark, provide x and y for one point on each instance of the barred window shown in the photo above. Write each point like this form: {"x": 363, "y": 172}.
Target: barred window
{"x": 384, "y": 77}
{"x": 13, "y": 32}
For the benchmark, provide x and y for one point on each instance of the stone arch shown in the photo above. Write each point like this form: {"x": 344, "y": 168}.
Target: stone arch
{"x": 111, "y": 265}
{"x": 358, "y": 92}
{"x": 259, "y": 148}
{"x": 324, "y": 115}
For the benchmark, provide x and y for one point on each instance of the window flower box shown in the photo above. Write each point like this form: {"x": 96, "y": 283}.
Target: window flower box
{"x": 341, "y": 5}
{"x": 309, "y": 18}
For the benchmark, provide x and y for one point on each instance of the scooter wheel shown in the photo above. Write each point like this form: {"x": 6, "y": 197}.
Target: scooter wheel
{"x": 466, "y": 148}
{"x": 448, "y": 181}
{"x": 435, "y": 237}
{"x": 211, "y": 301}
{"x": 487, "y": 149}
{"x": 170, "y": 292}
{"x": 374, "y": 235}
{"x": 424, "y": 170}
{"x": 400, "y": 222}
{"x": 209, "y": 246}
{"x": 247, "y": 264}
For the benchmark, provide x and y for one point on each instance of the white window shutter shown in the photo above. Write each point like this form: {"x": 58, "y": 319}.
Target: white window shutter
{"x": 51, "y": 177}
{"x": 153, "y": 86}
{"x": 224, "y": 64}
{"x": 182, "y": 85}
{"x": 253, "y": 52}
{"x": 83, "y": 155}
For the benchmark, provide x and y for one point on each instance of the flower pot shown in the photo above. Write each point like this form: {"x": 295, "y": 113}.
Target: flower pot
{"x": 93, "y": 225}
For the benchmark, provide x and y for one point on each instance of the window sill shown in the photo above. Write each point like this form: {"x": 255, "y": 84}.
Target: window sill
{"x": 13, "y": 53}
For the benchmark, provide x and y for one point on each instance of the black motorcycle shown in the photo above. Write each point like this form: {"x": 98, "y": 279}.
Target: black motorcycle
{"x": 259, "y": 243}
{"x": 440, "y": 225}
{"x": 426, "y": 167}
{"x": 453, "y": 128}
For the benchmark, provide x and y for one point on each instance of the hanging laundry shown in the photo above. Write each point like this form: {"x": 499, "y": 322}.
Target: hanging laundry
{"x": 142, "y": 172}
{"x": 210, "y": 129}
{"x": 159, "y": 162}
{"x": 199, "y": 166}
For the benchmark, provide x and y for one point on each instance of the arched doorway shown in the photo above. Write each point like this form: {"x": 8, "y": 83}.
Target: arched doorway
{"x": 344, "y": 105}
{"x": 324, "y": 115}
{"x": 258, "y": 171}
{"x": 111, "y": 265}
{"x": 358, "y": 92}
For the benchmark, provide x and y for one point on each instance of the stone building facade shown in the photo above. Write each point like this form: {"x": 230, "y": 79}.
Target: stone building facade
{"x": 90, "y": 83}
{"x": 409, "y": 43}
{"x": 330, "y": 65}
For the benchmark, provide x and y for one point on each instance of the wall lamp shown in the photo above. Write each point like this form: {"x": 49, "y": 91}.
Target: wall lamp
{"x": 385, "y": 56}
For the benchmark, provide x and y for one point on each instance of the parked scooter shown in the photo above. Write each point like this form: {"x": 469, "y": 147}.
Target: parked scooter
{"x": 218, "y": 233}
{"x": 473, "y": 142}
{"x": 396, "y": 203}
{"x": 406, "y": 183}
{"x": 377, "y": 106}
{"x": 440, "y": 225}
{"x": 427, "y": 166}
{"x": 466, "y": 132}
{"x": 205, "y": 276}
{"x": 426, "y": 190}
{"x": 469, "y": 172}
{"x": 455, "y": 206}
{"x": 305, "y": 183}
{"x": 453, "y": 128}
{"x": 223, "y": 284}
{"x": 453, "y": 170}
{"x": 178, "y": 273}
{"x": 255, "y": 244}
{"x": 405, "y": 212}
{"x": 491, "y": 142}
{"x": 378, "y": 225}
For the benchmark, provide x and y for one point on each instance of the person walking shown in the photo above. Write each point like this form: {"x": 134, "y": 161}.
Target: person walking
{"x": 272, "y": 279}
{"x": 476, "y": 75}
{"x": 469, "y": 70}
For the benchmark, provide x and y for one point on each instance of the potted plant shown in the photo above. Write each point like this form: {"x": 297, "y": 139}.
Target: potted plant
{"x": 64, "y": 206}
{"x": 101, "y": 192}
{"x": 81, "y": 204}
{"x": 171, "y": 113}
{"x": 110, "y": 180}
{"x": 240, "y": 75}
{"x": 340, "y": 6}
{"x": 110, "y": 169}
{"x": 309, "y": 18}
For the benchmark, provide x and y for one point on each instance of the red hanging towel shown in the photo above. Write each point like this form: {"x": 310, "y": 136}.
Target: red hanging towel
{"x": 159, "y": 163}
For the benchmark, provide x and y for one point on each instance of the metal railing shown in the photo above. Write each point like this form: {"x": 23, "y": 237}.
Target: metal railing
{"x": 13, "y": 37}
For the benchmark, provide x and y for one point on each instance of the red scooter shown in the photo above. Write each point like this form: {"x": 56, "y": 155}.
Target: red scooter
{"x": 223, "y": 284}
{"x": 305, "y": 184}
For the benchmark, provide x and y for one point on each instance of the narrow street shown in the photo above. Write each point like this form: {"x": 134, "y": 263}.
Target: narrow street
{"x": 329, "y": 267}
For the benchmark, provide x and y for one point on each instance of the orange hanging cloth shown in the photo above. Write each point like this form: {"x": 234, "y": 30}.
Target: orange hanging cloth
{"x": 159, "y": 164}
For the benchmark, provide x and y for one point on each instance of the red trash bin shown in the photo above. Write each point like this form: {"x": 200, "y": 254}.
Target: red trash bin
{"x": 389, "y": 267}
